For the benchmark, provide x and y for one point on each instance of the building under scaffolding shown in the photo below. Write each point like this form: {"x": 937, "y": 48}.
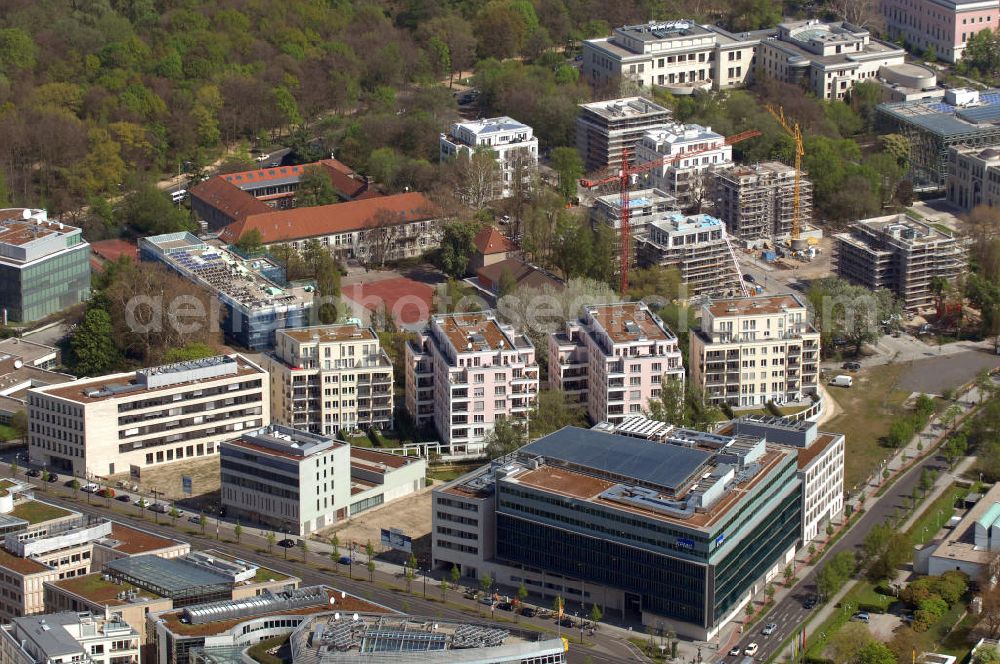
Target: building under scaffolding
{"x": 756, "y": 202}
{"x": 965, "y": 117}
{"x": 698, "y": 247}
{"x": 646, "y": 205}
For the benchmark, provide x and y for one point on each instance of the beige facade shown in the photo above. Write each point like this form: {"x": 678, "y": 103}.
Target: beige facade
{"x": 754, "y": 350}
{"x": 330, "y": 378}
{"x": 69, "y": 637}
{"x": 110, "y": 424}
{"x": 973, "y": 177}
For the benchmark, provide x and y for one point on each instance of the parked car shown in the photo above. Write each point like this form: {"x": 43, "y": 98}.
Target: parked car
{"x": 769, "y": 629}
{"x": 842, "y": 381}
{"x": 734, "y": 651}
{"x": 529, "y": 612}
{"x": 287, "y": 543}
{"x": 159, "y": 507}
{"x": 345, "y": 560}
{"x": 34, "y": 473}
{"x": 852, "y": 366}
{"x": 195, "y": 518}
{"x": 749, "y": 278}
{"x": 566, "y": 621}
{"x": 487, "y": 600}
{"x": 106, "y": 493}
{"x": 52, "y": 477}
{"x": 141, "y": 502}
{"x": 751, "y": 650}
{"x": 125, "y": 498}
{"x": 90, "y": 488}
{"x": 505, "y": 606}
{"x": 862, "y": 616}
{"x": 810, "y": 602}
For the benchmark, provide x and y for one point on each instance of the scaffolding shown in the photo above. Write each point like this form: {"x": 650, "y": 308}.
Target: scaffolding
{"x": 758, "y": 202}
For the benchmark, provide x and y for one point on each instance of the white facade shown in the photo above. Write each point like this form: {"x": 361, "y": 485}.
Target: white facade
{"x": 63, "y": 638}
{"x": 684, "y": 179}
{"x": 144, "y": 418}
{"x": 512, "y": 143}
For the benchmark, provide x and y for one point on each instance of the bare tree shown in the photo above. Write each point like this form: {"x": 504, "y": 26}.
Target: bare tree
{"x": 381, "y": 235}
{"x": 860, "y": 13}
{"x": 478, "y": 177}
{"x": 522, "y": 166}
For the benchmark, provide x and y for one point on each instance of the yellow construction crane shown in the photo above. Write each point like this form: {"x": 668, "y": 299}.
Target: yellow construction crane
{"x": 793, "y": 130}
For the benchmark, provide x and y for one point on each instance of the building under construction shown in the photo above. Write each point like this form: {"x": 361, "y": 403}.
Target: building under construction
{"x": 646, "y": 206}
{"x": 605, "y": 128}
{"x": 901, "y": 254}
{"x": 698, "y": 247}
{"x": 756, "y": 203}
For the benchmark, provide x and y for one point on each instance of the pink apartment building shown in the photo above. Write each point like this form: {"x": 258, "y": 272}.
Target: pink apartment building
{"x": 614, "y": 359}
{"x": 945, "y": 25}
{"x": 465, "y": 372}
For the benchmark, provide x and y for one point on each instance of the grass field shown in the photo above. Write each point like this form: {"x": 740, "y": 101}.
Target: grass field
{"x": 935, "y": 515}
{"x": 869, "y": 408}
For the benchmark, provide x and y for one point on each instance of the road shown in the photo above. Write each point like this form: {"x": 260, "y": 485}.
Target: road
{"x": 601, "y": 648}
{"x": 789, "y": 613}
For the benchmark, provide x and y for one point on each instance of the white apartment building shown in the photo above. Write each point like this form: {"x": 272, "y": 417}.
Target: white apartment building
{"x": 826, "y": 58}
{"x": 130, "y": 421}
{"x": 685, "y": 179}
{"x": 69, "y": 637}
{"x": 680, "y": 56}
{"x": 512, "y": 143}
{"x": 465, "y": 372}
{"x": 749, "y": 351}
{"x": 299, "y": 482}
{"x": 614, "y": 358}
{"x": 329, "y": 378}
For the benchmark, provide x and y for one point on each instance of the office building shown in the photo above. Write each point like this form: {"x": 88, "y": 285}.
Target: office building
{"x": 99, "y": 594}
{"x": 941, "y": 26}
{"x": 254, "y": 297}
{"x": 698, "y": 247}
{"x": 606, "y": 128}
{"x": 129, "y": 421}
{"x": 901, "y": 254}
{"x": 330, "y": 378}
{"x": 645, "y": 207}
{"x": 754, "y": 350}
{"x": 298, "y": 482}
{"x": 827, "y": 59}
{"x": 510, "y": 142}
{"x": 681, "y": 531}
{"x": 20, "y": 371}
{"x": 31, "y": 354}
{"x": 183, "y": 635}
{"x": 687, "y": 179}
{"x": 757, "y": 202}
{"x": 465, "y": 372}
{"x": 973, "y": 177}
{"x": 679, "y": 56}
{"x": 614, "y": 358}
{"x": 971, "y": 544}
{"x": 44, "y": 266}
{"x": 967, "y": 118}
{"x": 69, "y": 637}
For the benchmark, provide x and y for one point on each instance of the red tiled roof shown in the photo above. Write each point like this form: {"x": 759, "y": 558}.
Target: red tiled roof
{"x": 310, "y": 222}
{"x": 228, "y": 199}
{"x": 490, "y": 241}
{"x": 348, "y": 184}
{"x": 111, "y": 250}
{"x": 524, "y": 275}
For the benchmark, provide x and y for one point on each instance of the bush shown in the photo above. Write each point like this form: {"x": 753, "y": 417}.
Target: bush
{"x": 376, "y": 437}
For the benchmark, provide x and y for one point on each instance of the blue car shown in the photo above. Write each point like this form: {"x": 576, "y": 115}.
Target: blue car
{"x": 345, "y": 560}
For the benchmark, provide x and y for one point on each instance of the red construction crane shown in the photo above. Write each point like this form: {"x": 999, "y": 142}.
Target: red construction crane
{"x": 624, "y": 180}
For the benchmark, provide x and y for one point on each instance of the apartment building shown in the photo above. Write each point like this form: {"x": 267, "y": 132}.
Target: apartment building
{"x": 298, "y": 482}
{"x": 698, "y": 247}
{"x": 825, "y": 58}
{"x": 901, "y": 254}
{"x": 512, "y": 144}
{"x": 645, "y": 207}
{"x": 614, "y": 358}
{"x": 944, "y": 26}
{"x": 465, "y": 372}
{"x": 682, "y": 530}
{"x": 129, "y": 421}
{"x": 684, "y": 178}
{"x": 680, "y": 56}
{"x": 330, "y": 378}
{"x": 604, "y": 129}
{"x": 754, "y": 350}
{"x": 973, "y": 177}
{"x": 44, "y": 266}
{"x": 69, "y": 637}
{"x": 756, "y": 202}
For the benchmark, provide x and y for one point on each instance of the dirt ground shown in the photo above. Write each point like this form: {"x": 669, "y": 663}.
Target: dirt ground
{"x": 411, "y": 514}
{"x": 166, "y": 480}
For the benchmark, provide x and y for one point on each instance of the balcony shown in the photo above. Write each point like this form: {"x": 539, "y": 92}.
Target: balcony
{"x": 616, "y": 369}
{"x": 459, "y": 378}
{"x": 616, "y": 397}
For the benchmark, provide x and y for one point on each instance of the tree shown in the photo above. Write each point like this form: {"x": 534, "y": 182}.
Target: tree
{"x": 174, "y": 514}
{"x": 568, "y": 165}
{"x": 443, "y": 586}
{"x": 151, "y": 212}
{"x": 410, "y": 572}
{"x": 554, "y": 410}
{"x": 271, "y": 538}
{"x": 769, "y": 592}
{"x": 457, "y": 247}
{"x": 595, "y": 613}
{"x": 381, "y": 234}
{"x": 884, "y": 549}
{"x": 851, "y": 312}
{"x": 251, "y": 242}
{"x": 658, "y": 284}
{"x": 876, "y": 653}
{"x": 202, "y": 521}
{"x": 92, "y": 348}
{"x": 522, "y": 594}
{"x": 862, "y": 13}
{"x": 19, "y": 423}
{"x": 847, "y": 642}
{"x": 14, "y": 469}
{"x": 75, "y": 484}
{"x": 505, "y": 437}
{"x": 315, "y": 188}
{"x": 370, "y": 566}
{"x": 986, "y": 655}
{"x": 485, "y": 583}
{"x": 237, "y": 531}
{"x": 304, "y": 545}
{"x": 835, "y": 573}
{"x": 478, "y": 175}
{"x": 788, "y": 574}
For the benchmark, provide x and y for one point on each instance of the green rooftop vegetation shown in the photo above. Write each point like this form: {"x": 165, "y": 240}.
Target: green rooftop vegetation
{"x": 36, "y": 512}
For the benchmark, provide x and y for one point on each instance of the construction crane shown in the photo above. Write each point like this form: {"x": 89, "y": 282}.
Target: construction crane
{"x": 792, "y": 129}
{"x": 624, "y": 180}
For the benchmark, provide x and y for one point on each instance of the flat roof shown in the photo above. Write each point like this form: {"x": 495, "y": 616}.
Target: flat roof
{"x": 29, "y": 351}
{"x": 960, "y": 542}
{"x": 19, "y": 564}
{"x": 654, "y": 31}
{"x": 167, "y": 574}
{"x": 18, "y": 231}
{"x": 753, "y": 306}
{"x": 481, "y": 330}
{"x": 626, "y": 322}
{"x": 329, "y": 333}
{"x": 368, "y": 456}
{"x": 495, "y": 125}
{"x": 904, "y": 227}
{"x": 284, "y": 442}
{"x": 34, "y": 511}
{"x": 669, "y": 466}
{"x": 134, "y": 541}
{"x": 946, "y": 119}
{"x": 95, "y": 588}
{"x": 625, "y": 107}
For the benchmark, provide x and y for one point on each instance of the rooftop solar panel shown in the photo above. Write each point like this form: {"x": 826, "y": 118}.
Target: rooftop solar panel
{"x": 647, "y": 461}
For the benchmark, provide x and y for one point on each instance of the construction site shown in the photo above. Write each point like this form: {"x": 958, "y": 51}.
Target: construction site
{"x": 756, "y": 203}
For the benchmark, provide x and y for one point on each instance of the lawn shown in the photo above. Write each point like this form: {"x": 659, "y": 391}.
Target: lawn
{"x": 869, "y": 408}
{"x": 451, "y": 472}
{"x": 863, "y": 592}
{"x": 260, "y": 654}
{"x": 935, "y": 515}
{"x": 8, "y": 433}
{"x": 36, "y": 512}
{"x": 264, "y": 574}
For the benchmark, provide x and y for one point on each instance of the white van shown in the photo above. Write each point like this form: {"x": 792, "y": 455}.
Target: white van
{"x": 179, "y": 195}
{"x": 842, "y": 381}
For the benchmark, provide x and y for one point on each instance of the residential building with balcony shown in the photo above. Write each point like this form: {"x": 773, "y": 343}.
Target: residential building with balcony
{"x": 465, "y": 372}
{"x": 614, "y": 358}
{"x": 116, "y": 423}
{"x": 946, "y": 26}
{"x": 645, "y": 207}
{"x": 901, "y": 254}
{"x": 699, "y": 248}
{"x": 687, "y": 179}
{"x": 83, "y": 638}
{"x": 298, "y": 482}
{"x": 754, "y": 350}
{"x": 604, "y": 129}
{"x": 330, "y": 378}
{"x": 680, "y": 56}
{"x": 511, "y": 143}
